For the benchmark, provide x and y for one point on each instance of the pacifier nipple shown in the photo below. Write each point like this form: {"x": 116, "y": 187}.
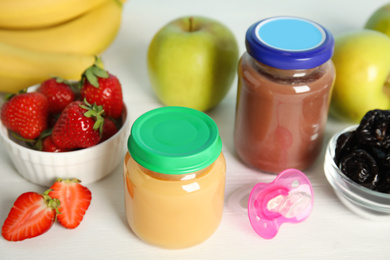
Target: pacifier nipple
{"x": 290, "y": 206}
{"x": 289, "y": 198}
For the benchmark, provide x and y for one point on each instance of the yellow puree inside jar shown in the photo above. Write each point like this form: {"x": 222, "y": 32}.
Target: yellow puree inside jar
{"x": 160, "y": 208}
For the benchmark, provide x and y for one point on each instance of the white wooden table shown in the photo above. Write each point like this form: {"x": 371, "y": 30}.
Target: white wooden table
{"x": 331, "y": 231}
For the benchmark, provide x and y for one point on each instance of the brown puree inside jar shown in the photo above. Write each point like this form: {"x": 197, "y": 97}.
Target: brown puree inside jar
{"x": 281, "y": 114}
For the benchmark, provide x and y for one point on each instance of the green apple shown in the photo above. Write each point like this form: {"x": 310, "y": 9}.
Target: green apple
{"x": 192, "y": 62}
{"x": 362, "y": 63}
{"x": 380, "y": 20}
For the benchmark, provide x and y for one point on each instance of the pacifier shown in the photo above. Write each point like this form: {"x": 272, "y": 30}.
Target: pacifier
{"x": 289, "y": 198}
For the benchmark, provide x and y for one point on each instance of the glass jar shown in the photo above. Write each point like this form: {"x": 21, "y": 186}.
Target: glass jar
{"x": 285, "y": 79}
{"x": 174, "y": 176}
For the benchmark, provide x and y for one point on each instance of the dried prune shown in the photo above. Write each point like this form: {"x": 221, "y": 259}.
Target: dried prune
{"x": 374, "y": 129}
{"x": 345, "y": 144}
{"x": 384, "y": 183}
{"x": 361, "y": 167}
{"x": 364, "y": 154}
{"x": 386, "y": 163}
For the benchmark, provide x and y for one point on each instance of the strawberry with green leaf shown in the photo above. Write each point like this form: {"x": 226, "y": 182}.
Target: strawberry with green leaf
{"x": 75, "y": 200}
{"x": 102, "y": 88}
{"x": 80, "y": 125}
{"x": 26, "y": 114}
{"x": 31, "y": 215}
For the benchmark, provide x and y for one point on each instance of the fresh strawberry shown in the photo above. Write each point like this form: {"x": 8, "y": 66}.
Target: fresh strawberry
{"x": 58, "y": 93}
{"x": 102, "y": 88}
{"x": 26, "y": 114}
{"x": 109, "y": 129}
{"x": 49, "y": 146}
{"x": 79, "y": 126}
{"x": 31, "y": 215}
{"x": 52, "y": 119}
{"x": 75, "y": 200}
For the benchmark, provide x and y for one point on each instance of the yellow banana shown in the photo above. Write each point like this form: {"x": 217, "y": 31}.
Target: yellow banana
{"x": 21, "y": 68}
{"x": 90, "y": 33}
{"x": 19, "y": 14}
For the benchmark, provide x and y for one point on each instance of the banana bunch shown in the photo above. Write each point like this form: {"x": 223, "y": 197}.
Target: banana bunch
{"x": 44, "y": 38}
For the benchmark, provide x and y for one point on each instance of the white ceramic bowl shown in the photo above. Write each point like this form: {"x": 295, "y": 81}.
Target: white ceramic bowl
{"x": 364, "y": 202}
{"x": 87, "y": 165}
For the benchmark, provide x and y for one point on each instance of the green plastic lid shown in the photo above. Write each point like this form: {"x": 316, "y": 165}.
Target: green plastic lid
{"x": 174, "y": 140}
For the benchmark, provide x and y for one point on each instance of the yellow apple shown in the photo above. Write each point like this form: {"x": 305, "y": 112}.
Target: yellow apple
{"x": 192, "y": 62}
{"x": 362, "y": 63}
{"x": 380, "y": 20}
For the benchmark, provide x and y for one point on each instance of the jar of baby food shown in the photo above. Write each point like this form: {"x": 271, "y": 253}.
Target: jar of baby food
{"x": 174, "y": 177}
{"x": 285, "y": 79}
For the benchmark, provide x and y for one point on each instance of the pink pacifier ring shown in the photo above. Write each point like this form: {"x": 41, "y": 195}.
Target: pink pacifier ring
{"x": 289, "y": 198}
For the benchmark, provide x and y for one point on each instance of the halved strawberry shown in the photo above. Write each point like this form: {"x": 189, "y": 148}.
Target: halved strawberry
{"x": 75, "y": 200}
{"x": 31, "y": 215}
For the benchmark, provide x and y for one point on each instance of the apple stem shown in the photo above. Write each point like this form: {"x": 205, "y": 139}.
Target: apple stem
{"x": 191, "y": 19}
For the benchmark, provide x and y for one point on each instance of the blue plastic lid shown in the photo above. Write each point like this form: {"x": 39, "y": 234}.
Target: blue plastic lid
{"x": 174, "y": 140}
{"x": 289, "y": 43}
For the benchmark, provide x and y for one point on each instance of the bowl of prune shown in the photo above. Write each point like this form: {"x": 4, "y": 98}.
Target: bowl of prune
{"x": 357, "y": 165}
